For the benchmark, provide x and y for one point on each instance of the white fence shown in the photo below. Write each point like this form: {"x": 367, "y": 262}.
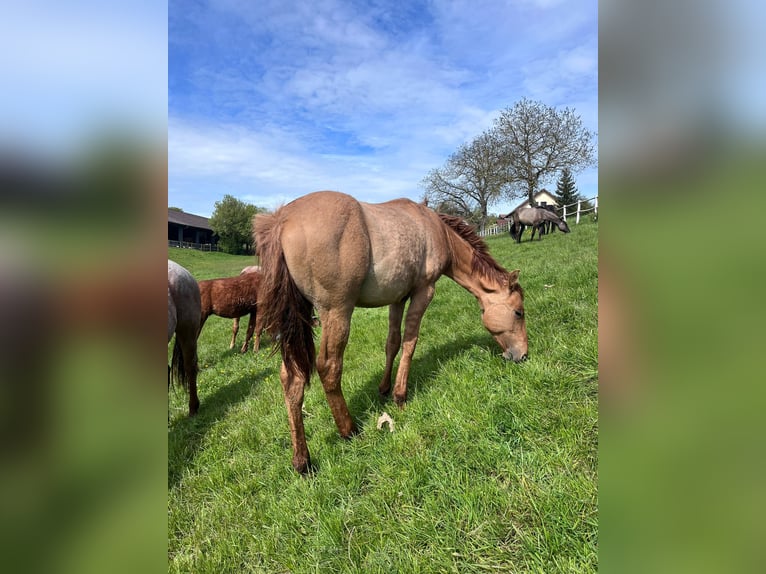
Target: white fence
{"x": 198, "y": 246}
{"x": 572, "y": 210}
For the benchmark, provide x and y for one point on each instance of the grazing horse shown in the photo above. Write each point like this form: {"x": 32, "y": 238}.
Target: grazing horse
{"x": 533, "y": 217}
{"x": 184, "y": 311}
{"x": 233, "y": 297}
{"x": 235, "y": 326}
{"x": 546, "y": 226}
{"x": 329, "y": 251}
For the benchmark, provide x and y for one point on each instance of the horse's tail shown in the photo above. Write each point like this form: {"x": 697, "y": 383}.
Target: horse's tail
{"x": 284, "y": 311}
{"x": 180, "y": 373}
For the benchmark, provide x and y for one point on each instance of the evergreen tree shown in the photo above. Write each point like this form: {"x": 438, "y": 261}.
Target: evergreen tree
{"x": 566, "y": 192}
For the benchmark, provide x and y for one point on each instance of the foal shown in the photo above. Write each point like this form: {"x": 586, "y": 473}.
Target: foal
{"x": 232, "y": 298}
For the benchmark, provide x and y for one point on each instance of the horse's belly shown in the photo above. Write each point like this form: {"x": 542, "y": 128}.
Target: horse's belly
{"x": 378, "y": 292}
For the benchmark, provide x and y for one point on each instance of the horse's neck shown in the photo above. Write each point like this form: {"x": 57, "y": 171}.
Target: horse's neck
{"x": 461, "y": 270}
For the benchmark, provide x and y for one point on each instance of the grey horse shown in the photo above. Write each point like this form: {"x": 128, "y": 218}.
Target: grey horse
{"x": 184, "y": 312}
{"x": 533, "y": 217}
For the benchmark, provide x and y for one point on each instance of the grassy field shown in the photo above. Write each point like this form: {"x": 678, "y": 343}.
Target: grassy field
{"x": 492, "y": 465}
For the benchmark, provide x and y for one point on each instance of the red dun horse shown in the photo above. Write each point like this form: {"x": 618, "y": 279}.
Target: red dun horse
{"x": 232, "y": 298}
{"x": 184, "y": 321}
{"x": 329, "y": 251}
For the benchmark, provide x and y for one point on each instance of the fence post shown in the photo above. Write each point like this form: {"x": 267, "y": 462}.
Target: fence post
{"x": 578, "y": 212}
{"x": 595, "y": 207}
{"x": 565, "y": 213}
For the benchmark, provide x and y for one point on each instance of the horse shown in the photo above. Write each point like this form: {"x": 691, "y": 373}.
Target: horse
{"x": 534, "y": 217}
{"x": 235, "y": 326}
{"x": 328, "y": 251}
{"x": 546, "y": 227}
{"x": 184, "y": 310}
{"x": 233, "y": 297}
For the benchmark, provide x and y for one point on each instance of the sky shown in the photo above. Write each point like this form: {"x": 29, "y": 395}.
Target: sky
{"x": 270, "y": 100}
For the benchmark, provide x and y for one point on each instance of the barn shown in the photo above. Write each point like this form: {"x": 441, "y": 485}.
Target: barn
{"x": 188, "y": 230}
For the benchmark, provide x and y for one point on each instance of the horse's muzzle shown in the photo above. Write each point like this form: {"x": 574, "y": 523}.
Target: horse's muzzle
{"x": 508, "y": 356}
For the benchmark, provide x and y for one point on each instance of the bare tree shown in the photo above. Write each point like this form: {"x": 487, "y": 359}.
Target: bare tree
{"x": 471, "y": 180}
{"x": 538, "y": 141}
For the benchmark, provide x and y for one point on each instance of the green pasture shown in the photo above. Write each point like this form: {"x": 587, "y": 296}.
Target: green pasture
{"x": 491, "y": 466}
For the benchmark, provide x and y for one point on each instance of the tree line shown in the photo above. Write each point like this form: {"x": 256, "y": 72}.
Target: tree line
{"x": 528, "y": 145}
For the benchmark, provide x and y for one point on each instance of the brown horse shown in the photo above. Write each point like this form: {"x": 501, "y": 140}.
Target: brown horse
{"x": 232, "y": 298}
{"x": 235, "y": 326}
{"x": 329, "y": 251}
{"x": 184, "y": 321}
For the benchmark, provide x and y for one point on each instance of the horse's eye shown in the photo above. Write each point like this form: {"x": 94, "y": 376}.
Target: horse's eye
{"x": 482, "y": 311}
{"x": 519, "y": 314}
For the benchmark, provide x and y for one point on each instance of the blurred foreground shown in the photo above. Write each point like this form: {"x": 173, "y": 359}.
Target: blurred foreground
{"x": 681, "y": 338}
{"x": 83, "y": 184}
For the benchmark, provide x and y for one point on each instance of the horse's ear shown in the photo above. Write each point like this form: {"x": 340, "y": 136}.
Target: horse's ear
{"x": 513, "y": 277}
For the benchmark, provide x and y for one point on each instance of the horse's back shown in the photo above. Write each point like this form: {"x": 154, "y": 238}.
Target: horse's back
{"x": 326, "y": 246}
{"x": 342, "y": 252}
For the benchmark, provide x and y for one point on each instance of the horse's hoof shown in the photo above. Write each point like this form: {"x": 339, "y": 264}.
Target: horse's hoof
{"x": 400, "y": 400}
{"x": 304, "y": 467}
{"x": 351, "y": 433}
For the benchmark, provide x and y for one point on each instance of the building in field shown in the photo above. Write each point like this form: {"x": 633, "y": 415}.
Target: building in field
{"x": 189, "y": 230}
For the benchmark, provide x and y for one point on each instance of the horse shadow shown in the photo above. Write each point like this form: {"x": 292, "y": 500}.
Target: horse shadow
{"x": 185, "y": 434}
{"x": 366, "y": 400}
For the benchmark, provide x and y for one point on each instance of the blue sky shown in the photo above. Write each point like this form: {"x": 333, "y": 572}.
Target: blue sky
{"x": 273, "y": 99}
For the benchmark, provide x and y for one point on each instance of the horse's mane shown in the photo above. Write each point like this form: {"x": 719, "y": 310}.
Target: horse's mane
{"x": 481, "y": 262}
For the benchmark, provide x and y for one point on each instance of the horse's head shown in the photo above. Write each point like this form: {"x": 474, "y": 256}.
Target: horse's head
{"x": 503, "y": 316}
{"x": 563, "y": 226}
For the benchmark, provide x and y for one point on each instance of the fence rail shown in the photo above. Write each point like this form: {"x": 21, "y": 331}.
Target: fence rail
{"x": 497, "y": 229}
{"x": 197, "y": 246}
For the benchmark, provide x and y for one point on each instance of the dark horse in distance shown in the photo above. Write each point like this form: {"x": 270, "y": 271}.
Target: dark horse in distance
{"x": 534, "y": 217}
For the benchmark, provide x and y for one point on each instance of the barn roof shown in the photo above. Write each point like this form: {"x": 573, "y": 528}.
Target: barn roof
{"x": 188, "y": 219}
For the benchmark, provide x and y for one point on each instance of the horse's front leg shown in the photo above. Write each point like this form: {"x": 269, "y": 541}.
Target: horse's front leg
{"x": 234, "y": 331}
{"x": 249, "y": 334}
{"x": 292, "y": 387}
{"x": 393, "y": 344}
{"x": 336, "y": 326}
{"x": 418, "y": 304}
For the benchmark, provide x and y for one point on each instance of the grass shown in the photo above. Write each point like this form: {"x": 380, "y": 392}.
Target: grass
{"x": 492, "y": 466}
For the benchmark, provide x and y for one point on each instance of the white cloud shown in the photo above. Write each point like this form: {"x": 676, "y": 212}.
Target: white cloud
{"x": 324, "y": 95}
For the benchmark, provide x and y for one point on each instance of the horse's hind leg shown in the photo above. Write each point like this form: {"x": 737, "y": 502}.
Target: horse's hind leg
{"x": 335, "y": 330}
{"x": 249, "y": 334}
{"x": 292, "y": 387}
{"x": 393, "y": 344}
{"x": 418, "y": 305}
{"x": 258, "y": 331}
{"x": 190, "y": 367}
{"x": 234, "y": 331}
